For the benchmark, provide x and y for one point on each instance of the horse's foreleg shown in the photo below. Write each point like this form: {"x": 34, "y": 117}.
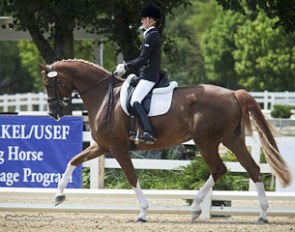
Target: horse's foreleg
{"x": 62, "y": 184}
{"x": 196, "y": 208}
{"x": 127, "y": 166}
{"x": 143, "y": 203}
{"x": 89, "y": 153}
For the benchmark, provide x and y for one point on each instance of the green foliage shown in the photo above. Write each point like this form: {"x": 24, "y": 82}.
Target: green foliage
{"x": 281, "y": 111}
{"x": 196, "y": 174}
{"x": 109, "y": 56}
{"x": 244, "y": 52}
{"x": 30, "y": 60}
{"x": 260, "y": 60}
{"x": 218, "y": 45}
{"x": 14, "y": 78}
{"x": 86, "y": 178}
{"x": 182, "y": 57}
{"x": 284, "y": 10}
{"x": 149, "y": 179}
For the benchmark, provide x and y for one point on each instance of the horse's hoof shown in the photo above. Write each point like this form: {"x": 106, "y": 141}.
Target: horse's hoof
{"x": 140, "y": 220}
{"x": 59, "y": 199}
{"x": 196, "y": 214}
{"x": 261, "y": 221}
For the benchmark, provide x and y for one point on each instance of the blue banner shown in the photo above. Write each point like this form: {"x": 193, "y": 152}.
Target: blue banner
{"x": 35, "y": 150}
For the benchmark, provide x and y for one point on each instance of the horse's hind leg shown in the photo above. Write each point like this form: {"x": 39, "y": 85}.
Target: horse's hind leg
{"x": 89, "y": 153}
{"x": 211, "y": 156}
{"x": 238, "y": 147}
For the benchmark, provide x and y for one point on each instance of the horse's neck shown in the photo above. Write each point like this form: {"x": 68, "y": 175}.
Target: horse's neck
{"x": 95, "y": 93}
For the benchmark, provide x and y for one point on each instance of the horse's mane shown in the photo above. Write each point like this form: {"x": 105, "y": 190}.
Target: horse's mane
{"x": 87, "y": 63}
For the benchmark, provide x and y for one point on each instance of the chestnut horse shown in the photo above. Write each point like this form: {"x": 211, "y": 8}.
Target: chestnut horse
{"x": 210, "y": 115}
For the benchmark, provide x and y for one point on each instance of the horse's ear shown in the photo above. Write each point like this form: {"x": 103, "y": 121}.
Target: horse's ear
{"x": 43, "y": 67}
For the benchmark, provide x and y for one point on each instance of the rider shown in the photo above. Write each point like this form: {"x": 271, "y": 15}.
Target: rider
{"x": 148, "y": 64}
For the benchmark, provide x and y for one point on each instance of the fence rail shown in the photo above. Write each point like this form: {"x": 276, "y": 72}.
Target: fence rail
{"x": 37, "y": 101}
{"x": 207, "y": 209}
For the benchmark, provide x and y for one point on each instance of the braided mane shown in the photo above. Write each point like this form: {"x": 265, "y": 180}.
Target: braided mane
{"x": 87, "y": 63}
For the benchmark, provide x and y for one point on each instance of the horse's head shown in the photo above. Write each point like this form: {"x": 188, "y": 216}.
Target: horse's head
{"x": 58, "y": 87}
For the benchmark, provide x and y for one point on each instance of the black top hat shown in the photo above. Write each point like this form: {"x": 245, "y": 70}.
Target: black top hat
{"x": 151, "y": 11}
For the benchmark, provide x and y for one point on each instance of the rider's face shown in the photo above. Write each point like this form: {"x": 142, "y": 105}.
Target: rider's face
{"x": 147, "y": 22}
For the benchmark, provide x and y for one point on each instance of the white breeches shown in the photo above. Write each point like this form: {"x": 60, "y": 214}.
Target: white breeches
{"x": 141, "y": 90}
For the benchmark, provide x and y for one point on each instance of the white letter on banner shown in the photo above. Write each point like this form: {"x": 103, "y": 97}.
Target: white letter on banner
{"x": 13, "y": 153}
{"x": 41, "y": 133}
{"x": 56, "y": 132}
{"x": 2, "y": 160}
{"x": 27, "y": 173}
{"x": 65, "y": 132}
{"x": 16, "y": 131}
{"x": 48, "y": 132}
{"x": 5, "y": 133}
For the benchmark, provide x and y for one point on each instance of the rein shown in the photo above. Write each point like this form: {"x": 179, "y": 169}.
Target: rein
{"x": 78, "y": 95}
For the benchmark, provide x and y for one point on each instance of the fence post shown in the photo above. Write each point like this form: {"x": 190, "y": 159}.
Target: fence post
{"x": 40, "y": 100}
{"x": 287, "y": 99}
{"x": 17, "y": 103}
{"x": 29, "y": 102}
{"x": 5, "y": 103}
{"x": 265, "y": 100}
{"x": 101, "y": 171}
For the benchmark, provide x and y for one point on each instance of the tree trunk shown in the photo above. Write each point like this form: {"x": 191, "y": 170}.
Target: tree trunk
{"x": 64, "y": 49}
{"x": 63, "y": 43}
{"x": 41, "y": 43}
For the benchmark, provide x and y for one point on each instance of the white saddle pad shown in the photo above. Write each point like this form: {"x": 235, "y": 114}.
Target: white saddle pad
{"x": 161, "y": 98}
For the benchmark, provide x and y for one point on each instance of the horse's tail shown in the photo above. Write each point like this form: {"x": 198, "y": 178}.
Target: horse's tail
{"x": 265, "y": 131}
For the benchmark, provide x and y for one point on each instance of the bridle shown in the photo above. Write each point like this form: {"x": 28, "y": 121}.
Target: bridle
{"x": 59, "y": 101}
{"x": 54, "y": 83}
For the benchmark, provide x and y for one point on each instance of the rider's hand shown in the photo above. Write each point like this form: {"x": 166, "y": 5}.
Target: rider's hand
{"x": 120, "y": 69}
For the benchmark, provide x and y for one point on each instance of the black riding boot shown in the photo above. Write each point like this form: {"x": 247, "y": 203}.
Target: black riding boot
{"x": 147, "y": 136}
{"x": 132, "y": 133}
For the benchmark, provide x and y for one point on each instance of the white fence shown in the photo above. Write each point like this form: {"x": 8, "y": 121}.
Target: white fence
{"x": 37, "y": 101}
{"x": 96, "y": 164}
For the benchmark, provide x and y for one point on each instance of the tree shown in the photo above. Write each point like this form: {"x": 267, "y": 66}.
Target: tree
{"x": 185, "y": 62}
{"x": 246, "y": 52}
{"x": 51, "y": 23}
{"x": 218, "y": 45}
{"x": 284, "y": 10}
{"x": 29, "y": 55}
{"x": 264, "y": 57}
{"x": 14, "y": 77}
